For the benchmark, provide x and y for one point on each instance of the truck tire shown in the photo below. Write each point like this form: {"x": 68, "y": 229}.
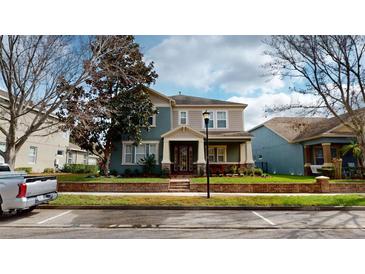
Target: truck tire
{"x": 28, "y": 210}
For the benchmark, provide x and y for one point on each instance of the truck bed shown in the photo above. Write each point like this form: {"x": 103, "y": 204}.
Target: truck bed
{"x": 38, "y": 185}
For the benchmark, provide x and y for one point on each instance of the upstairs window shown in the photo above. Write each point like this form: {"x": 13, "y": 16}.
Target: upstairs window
{"x": 183, "y": 120}
{"x": 152, "y": 120}
{"x": 221, "y": 119}
{"x": 211, "y": 120}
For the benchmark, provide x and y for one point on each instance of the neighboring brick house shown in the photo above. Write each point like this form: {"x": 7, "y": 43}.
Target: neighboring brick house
{"x": 300, "y": 145}
{"x": 176, "y": 137}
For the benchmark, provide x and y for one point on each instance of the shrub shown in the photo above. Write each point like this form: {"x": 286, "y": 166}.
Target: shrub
{"x": 233, "y": 169}
{"x": 136, "y": 172}
{"x": 113, "y": 172}
{"x": 48, "y": 170}
{"x": 258, "y": 172}
{"x": 25, "y": 169}
{"x": 127, "y": 172}
{"x": 149, "y": 163}
{"x": 80, "y": 168}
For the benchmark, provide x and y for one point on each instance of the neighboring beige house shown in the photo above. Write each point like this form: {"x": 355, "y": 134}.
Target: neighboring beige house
{"x": 76, "y": 155}
{"x": 41, "y": 150}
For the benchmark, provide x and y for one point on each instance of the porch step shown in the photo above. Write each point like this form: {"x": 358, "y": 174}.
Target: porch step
{"x": 179, "y": 185}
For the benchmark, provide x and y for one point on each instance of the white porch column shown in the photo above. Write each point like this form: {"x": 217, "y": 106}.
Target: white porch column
{"x": 249, "y": 159}
{"x": 166, "y": 152}
{"x": 201, "y": 158}
{"x": 242, "y": 153}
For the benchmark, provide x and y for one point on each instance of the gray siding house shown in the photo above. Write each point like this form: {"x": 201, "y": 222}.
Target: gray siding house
{"x": 300, "y": 145}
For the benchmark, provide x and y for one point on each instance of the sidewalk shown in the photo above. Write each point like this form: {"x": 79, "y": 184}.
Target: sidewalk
{"x": 201, "y": 194}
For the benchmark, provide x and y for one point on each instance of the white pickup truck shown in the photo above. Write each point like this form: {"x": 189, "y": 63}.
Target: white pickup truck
{"x": 19, "y": 192}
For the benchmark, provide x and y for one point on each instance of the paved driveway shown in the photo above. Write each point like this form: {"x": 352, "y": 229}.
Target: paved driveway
{"x": 53, "y": 223}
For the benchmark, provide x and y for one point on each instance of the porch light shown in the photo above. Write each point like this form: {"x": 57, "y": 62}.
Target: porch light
{"x": 206, "y": 120}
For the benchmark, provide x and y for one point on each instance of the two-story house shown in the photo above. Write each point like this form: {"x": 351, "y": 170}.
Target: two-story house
{"x": 47, "y": 148}
{"x": 178, "y": 133}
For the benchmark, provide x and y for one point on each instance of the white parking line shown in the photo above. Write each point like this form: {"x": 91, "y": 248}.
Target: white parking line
{"x": 262, "y": 217}
{"x": 54, "y": 217}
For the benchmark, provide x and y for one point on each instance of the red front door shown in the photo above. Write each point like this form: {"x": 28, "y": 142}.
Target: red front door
{"x": 183, "y": 158}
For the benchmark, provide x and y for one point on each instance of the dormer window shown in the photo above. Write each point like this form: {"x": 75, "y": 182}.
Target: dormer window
{"x": 183, "y": 118}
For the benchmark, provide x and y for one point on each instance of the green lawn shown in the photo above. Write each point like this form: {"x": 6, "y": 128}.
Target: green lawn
{"x": 286, "y": 179}
{"x": 83, "y": 178}
{"x": 315, "y": 200}
{"x": 248, "y": 179}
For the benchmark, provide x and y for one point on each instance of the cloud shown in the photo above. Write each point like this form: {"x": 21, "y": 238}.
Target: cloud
{"x": 255, "y": 112}
{"x": 232, "y": 64}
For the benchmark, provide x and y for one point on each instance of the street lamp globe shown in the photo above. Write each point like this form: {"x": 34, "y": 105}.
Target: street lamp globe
{"x": 206, "y": 116}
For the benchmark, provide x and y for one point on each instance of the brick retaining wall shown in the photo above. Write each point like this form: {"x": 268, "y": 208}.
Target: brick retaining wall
{"x": 112, "y": 187}
{"x": 322, "y": 185}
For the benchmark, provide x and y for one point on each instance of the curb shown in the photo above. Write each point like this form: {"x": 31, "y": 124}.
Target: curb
{"x": 273, "y": 208}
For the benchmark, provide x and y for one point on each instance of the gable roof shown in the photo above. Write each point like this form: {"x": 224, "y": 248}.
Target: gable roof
{"x": 324, "y": 127}
{"x": 298, "y": 129}
{"x": 200, "y": 101}
{"x": 290, "y": 127}
{"x": 183, "y": 129}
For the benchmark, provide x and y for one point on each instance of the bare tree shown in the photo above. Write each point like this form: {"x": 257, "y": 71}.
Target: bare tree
{"x": 38, "y": 73}
{"x": 331, "y": 68}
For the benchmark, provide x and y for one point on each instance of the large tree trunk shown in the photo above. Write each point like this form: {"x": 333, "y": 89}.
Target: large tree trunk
{"x": 361, "y": 142}
{"x": 10, "y": 156}
{"x": 107, "y": 157}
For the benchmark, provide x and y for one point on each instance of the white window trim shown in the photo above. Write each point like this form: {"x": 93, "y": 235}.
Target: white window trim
{"x": 225, "y": 153}
{"x": 36, "y": 155}
{"x": 153, "y": 120}
{"x": 187, "y": 117}
{"x": 124, "y": 143}
{"x": 215, "y": 121}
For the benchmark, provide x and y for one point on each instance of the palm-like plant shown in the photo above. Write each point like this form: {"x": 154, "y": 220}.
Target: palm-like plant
{"x": 356, "y": 151}
{"x": 148, "y": 163}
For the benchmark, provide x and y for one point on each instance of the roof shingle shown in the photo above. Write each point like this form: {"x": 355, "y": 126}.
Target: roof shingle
{"x": 193, "y": 100}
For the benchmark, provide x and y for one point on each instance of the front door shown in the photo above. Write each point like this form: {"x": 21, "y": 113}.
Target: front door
{"x": 183, "y": 158}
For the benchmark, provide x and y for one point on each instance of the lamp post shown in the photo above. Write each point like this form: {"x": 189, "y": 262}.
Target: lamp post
{"x": 206, "y": 120}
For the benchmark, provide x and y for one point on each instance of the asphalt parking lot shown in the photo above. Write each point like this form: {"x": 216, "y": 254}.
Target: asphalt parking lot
{"x": 59, "y": 223}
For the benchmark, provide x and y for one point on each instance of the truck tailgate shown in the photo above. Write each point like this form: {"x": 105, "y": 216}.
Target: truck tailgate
{"x": 40, "y": 185}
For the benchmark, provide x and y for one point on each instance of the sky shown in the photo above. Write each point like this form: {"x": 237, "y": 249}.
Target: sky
{"x": 219, "y": 67}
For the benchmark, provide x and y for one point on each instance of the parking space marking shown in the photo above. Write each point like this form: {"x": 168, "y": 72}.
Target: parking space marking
{"x": 54, "y": 217}
{"x": 262, "y": 217}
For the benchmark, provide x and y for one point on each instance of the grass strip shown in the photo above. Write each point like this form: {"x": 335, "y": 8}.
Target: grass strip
{"x": 313, "y": 200}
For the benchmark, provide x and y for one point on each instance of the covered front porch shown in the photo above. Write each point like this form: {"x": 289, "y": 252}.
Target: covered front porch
{"x": 327, "y": 154}
{"x": 184, "y": 152}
